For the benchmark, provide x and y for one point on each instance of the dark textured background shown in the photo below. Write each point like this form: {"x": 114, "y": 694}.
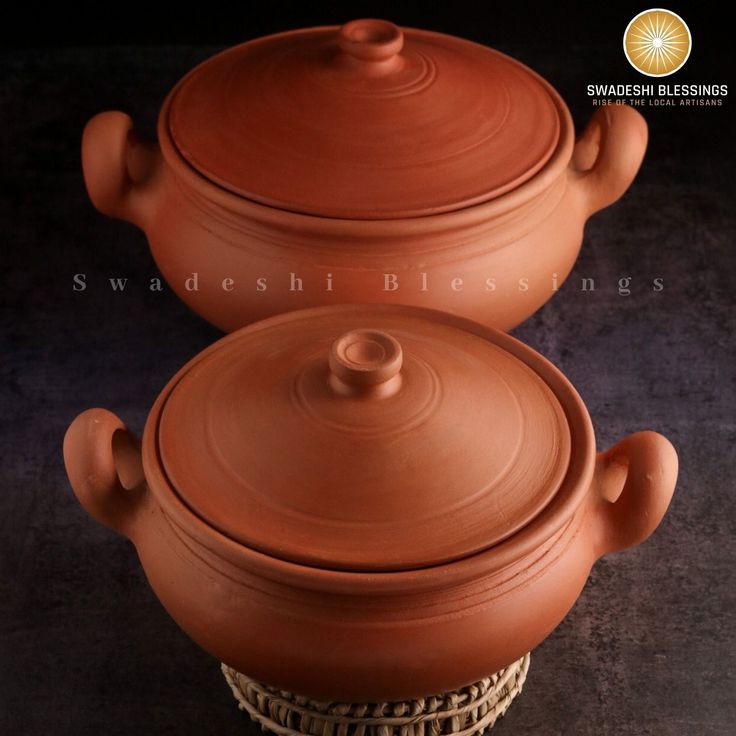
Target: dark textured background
{"x": 85, "y": 647}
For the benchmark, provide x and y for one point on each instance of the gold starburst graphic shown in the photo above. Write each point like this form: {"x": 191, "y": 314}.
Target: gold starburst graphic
{"x": 657, "y": 42}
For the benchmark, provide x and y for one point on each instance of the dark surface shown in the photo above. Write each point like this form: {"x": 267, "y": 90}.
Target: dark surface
{"x": 225, "y": 22}
{"x": 85, "y": 648}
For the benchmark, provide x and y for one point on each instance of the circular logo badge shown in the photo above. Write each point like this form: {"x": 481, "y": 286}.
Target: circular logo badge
{"x": 657, "y": 42}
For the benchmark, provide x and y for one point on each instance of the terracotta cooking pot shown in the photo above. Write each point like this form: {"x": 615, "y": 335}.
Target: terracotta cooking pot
{"x": 368, "y": 502}
{"x": 363, "y": 164}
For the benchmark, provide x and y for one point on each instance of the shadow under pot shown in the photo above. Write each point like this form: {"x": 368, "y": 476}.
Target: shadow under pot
{"x": 368, "y": 503}
{"x": 363, "y": 164}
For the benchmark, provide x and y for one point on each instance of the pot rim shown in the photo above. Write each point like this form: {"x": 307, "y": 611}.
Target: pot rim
{"x": 556, "y": 515}
{"x": 533, "y": 187}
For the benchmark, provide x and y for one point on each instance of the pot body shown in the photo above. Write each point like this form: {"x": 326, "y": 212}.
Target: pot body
{"x": 497, "y": 271}
{"x": 360, "y": 637}
{"x": 353, "y": 647}
{"x": 234, "y": 261}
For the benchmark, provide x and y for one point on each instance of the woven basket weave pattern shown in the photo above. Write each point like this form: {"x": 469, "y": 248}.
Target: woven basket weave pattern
{"x": 462, "y": 712}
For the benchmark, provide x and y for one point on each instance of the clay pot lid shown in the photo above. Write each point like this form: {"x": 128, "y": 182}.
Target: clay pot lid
{"x": 365, "y": 437}
{"x": 366, "y": 121}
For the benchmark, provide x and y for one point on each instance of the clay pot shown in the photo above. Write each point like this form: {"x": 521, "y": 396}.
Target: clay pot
{"x": 368, "y": 502}
{"x": 363, "y": 164}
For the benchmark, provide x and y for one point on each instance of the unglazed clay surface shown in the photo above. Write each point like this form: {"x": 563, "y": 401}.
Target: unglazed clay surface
{"x": 335, "y": 159}
{"x": 365, "y": 122}
{"x": 351, "y": 634}
{"x": 400, "y": 444}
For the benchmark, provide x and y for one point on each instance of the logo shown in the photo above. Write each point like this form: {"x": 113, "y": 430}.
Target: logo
{"x": 657, "y": 42}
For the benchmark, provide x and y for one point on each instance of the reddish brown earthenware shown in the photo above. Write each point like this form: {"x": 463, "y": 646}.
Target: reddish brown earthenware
{"x": 368, "y": 502}
{"x": 363, "y": 164}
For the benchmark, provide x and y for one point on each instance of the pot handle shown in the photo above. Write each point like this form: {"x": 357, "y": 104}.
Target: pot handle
{"x": 634, "y": 481}
{"x": 103, "y": 462}
{"x": 119, "y": 167}
{"x": 608, "y": 155}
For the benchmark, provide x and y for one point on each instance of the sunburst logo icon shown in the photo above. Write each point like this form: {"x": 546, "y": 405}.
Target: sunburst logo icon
{"x": 657, "y": 42}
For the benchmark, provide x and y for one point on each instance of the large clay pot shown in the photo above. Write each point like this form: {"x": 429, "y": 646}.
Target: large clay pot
{"x": 368, "y": 502}
{"x": 363, "y": 164}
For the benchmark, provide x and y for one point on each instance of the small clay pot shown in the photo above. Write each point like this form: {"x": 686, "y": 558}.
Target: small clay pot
{"x": 368, "y": 503}
{"x": 363, "y": 164}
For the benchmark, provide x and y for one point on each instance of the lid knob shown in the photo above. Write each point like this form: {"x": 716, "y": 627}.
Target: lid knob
{"x": 371, "y": 40}
{"x": 365, "y": 362}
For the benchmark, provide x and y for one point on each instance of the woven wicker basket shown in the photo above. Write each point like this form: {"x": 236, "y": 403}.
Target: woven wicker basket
{"x": 463, "y": 712}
